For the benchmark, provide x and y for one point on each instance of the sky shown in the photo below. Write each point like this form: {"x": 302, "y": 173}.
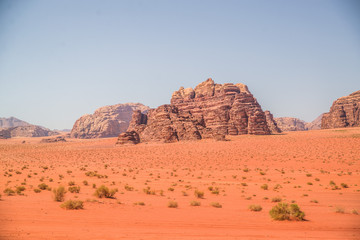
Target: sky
{"x": 62, "y": 59}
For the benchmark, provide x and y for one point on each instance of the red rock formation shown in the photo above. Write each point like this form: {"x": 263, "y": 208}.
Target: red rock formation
{"x": 108, "y": 121}
{"x": 128, "y": 138}
{"x": 271, "y": 123}
{"x": 345, "y": 112}
{"x": 314, "y": 125}
{"x": 208, "y": 111}
{"x": 26, "y": 131}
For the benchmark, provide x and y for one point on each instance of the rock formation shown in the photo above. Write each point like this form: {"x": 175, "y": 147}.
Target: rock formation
{"x": 26, "y": 131}
{"x": 208, "y": 111}
{"x": 345, "y": 112}
{"x": 108, "y": 121}
{"x": 314, "y": 125}
{"x": 12, "y": 122}
{"x": 271, "y": 123}
{"x": 290, "y": 124}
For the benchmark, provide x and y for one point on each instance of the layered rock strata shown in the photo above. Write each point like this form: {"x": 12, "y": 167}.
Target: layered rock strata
{"x": 344, "y": 112}
{"x": 271, "y": 123}
{"x": 108, "y": 121}
{"x": 208, "y": 111}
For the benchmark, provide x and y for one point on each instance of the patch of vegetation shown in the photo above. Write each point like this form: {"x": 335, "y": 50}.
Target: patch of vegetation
{"x": 216, "y": 205}
{"x": 36, "y": 190}
{"x": 73, "y": 204}
{"x": 43, "y": 186}
{"x": 9, "y": 192}
{"x": 264, "y": 187}
{"x": 195, "y": 203}
{"x": 284, "y": 211}
{"x": 74, "y": 189}
{"x": 199, "y": 194}
{"x": 255, "y": 208}
{"x": 20, "y": 189}
{"x": 59, "y": 194}
{"x": 103, "y": 191}
{"x": 339, "y": 210}
{"x": 344, "y": 185}
{"x": 172, "y": 204}
{"x": 140, "y": 203}
{"x": 276, "y": 199}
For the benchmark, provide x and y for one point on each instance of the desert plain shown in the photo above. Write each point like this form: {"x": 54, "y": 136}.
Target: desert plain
{"x": 318, "y": 170}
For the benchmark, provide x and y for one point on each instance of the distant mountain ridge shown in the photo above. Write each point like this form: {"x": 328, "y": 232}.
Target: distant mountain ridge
{"x": 14, "y": 127}
{"x": 295, "y": 124}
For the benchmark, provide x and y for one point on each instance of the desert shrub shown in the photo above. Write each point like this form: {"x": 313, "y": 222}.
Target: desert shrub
{"x": 20, "y": 189}
{"x": 172, "y": 204}
{"x": 309, "y": 175}
{"x": 309, "y": 183}
{"x": 199, "y": 194}
{"x": 59, "y": 194}
{"x": 140, "y": 203}
{"x": 71, "y": 183}
{"x": 36, "y": 190}
{"x": 171, "y": 189}
{"x": 128, "y": 188}
{"x": 344, "y": 185}
{"x": 43, "y": 186}
{"x": 264, "y": 186}
{"x": 276, "y": 199}
{"x": 103, "y": 191}
{"x": 354, "y": 211}
{"x": 149, "y": 191}
{"x": 216, "y": 205}
{"x": 73, "y": 205}
{"x": 85, "y": 183}
{"x": 9, "y": 192}
{"x": 339, "y": 210}
{"x": 255, "y": 208}
{"x": 195, "y": 203}
{"x": 74, "y": 189}
{"x": 283, "y": 211}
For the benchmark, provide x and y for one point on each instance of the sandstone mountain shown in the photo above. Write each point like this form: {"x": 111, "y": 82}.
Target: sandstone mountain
{"x": 208, "y": 111}
{"x": 314, "y": 125}
{"x": 290, "y": 124}
{"x": 108, "y": 121}
{"x": 271, "y": 123}
{"x": 345, "y": 112}
{"x": 12, "y": 122}
{"x": 26, "y": 131}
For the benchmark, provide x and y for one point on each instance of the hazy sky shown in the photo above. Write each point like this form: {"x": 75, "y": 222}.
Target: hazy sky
{"x": 62, "y": 59}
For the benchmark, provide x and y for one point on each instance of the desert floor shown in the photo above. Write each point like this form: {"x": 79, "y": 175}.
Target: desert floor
{"x": 297, "y": 167}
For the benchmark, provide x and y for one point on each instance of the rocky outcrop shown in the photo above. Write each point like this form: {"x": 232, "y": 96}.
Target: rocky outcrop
{"x": 26, "y": 131}
{"x": 314, "y": 125}
{"x": 12, "y": 122}
{"x": 208, "y": 111}
{"x": 108, "y": 121}
{"x": 271, "y": 123}
{"x": 290, "y": 124}
{"x": 345, "y": 112}
{"x": 128, "y": 138}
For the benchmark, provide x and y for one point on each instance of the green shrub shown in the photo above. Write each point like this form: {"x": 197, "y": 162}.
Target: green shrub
{"x": 172, "y": 204}
{"x": 195, "y": 203}
{"x": 74, "y": 189}
{"x": 59, "y": 194}
{"x": 255, "y": 208}
{"x": 103, "y": 191}
{"x": 73, "y": 205}
{"x": 283, "y": 211}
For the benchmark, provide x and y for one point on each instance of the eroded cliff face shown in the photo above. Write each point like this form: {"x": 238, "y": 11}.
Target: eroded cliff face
{"x": 290, "y": 124}
{"x": 345, "y": 112}
{"x": 209, "y": 110}
{"x": 108, "y": 121}
{"x": 271, "y": 123}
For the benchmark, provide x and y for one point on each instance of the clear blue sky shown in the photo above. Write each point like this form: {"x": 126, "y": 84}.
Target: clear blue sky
{"x": 62, "y": 59}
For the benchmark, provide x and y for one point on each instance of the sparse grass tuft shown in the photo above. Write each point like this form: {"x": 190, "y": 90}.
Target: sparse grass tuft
{"x": 74, "y": 189}
{"x": 195, "y": 203}
{"x": 339, "y": 209}
{"x": 264, "y": 186}
{"x": 172, "y": 204}
{"x": 73, "y": 204}
{"x": 59, "y": 194}
{"x": 199, "y": 194}
{"x": 9, "y": 192}
{"x": 216, "y": 205}
{"x": 255, "y": 208}
{"x": 276, "y": 199}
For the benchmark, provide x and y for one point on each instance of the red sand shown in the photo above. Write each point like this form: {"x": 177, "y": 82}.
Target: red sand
{"x": 328, "y": 155}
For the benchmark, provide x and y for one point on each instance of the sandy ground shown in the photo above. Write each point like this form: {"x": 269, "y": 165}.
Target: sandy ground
{"x": 296, "y": 166}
